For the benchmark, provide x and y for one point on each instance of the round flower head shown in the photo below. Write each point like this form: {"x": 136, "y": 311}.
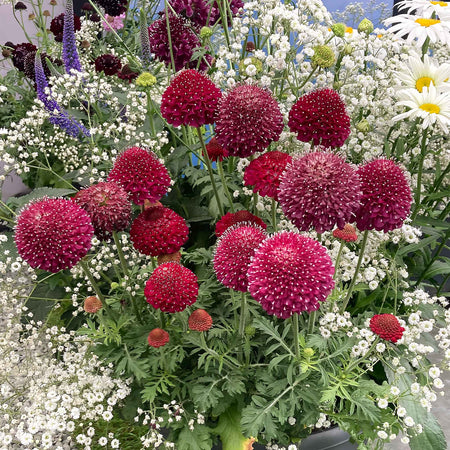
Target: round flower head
{"x": 190, "y": 99}
{"x": 230, "y": 219}
{"x": 233, "y": 253}
{"x": 386, "y": 196}
{"x": 290, "y": 273}
{"x": 319, "y": 190}
{"x": 53, "y": 234}
{"x": 108, "y": 207}
{"x": 320, "y": 116}
{"x": 57, "y": 26}
{"x": 264, "y": 173}
{"x": 19, "y": 54}
{"x": 113, "y": 7}
{"x": 170, "y": 257}
{"x": 109, "y": 64}
{"x": 248, "y": 120}
{"x": 215, "y": 151}
{"x": 141, "y": 174}
{"x": 171, "y": 288}
{"x": 92, "y": 304}
{"x": 200, "y": 320}
{"x": 346, "y": 234}
{"x": 158, "y": 231}
{"x": 197, "y": 11}
{"x": 387, "y": 327}
{"x": 158, "y": 338}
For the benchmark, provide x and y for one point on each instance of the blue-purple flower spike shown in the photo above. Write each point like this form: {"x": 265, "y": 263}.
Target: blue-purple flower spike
{"x": 145, "y": 41}
{"x": 70, "y": 53}
{"x": 58, "y": 116}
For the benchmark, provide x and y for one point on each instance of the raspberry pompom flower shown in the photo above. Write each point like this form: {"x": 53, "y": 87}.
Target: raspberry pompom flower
{"x": 200, "y": 320}
{"x": 347, "y": 234}
{"x": 158, "y": 338}
{"x": 386, "y": 196}
{"x": 53, "y": 234}
{"x": 141, "y": 174}
{"x": 215, "y": 151}
{"x": 158, "y": 231}
{"x": 92, "y": 304}
{"x": 387, "y": 327}
{"x": 248, "y": 120}
{"x": 171, "y": 288}
{"x": 320, "y": 116}
{"x": 233, "y": 254}
{"x": 108, "y": 207}
{"x": 290, "y": 273}
{"x": 319, "y": 190}
{"x": 109, "y": 64}
{"x": 230, "y": 219}
{"x": 190, "y": 99}
{"x": 264, "y": 173}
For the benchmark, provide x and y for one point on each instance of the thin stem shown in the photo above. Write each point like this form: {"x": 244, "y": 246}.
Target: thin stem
{"x": 295, "y": 335}
{"x": 94, "y": 284}
{"x": 224, "y": 184}
{"x": 120, "y": 252}
{"x": 169, "y": 37}
{"x": 210, "y": 171}
{"x": 274, "y": 216}
{"x": 423, "y": 148}
{"x": 338, "y": 260}
{"x": 358, "y": 265}
{"x": 311, "y": 322}
{"x": 243, "y": 314}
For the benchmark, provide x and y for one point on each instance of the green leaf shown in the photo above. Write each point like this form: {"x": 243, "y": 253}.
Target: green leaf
{"x": 38, "y": 193}
{"x": 437, "y": 268}
{"x": 432, "y": 437}
{"x": 196, "y": 439}
{"x": 206, "y": 392}
{"x": 414, "y": 247}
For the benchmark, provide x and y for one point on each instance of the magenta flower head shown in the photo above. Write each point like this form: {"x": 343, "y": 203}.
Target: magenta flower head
{"x": 264, "y": 173}
{"x": 290, "y": 273}
{"x": 190, "y": 99}
{"x": 230, "y": 219}
{"x": 233, "y": 254}
{"x": 248, "y": 120}
{"x": 141, "y": 174}
{"x": 320, "y": 116}
{"x": 108, "y": 207}
{"x": 53, "y": 234}
{"x": 319, "y": 190}
{"x": 386, "y": 196}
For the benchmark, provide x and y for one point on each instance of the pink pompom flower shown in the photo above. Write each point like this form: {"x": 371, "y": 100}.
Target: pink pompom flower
{"x": 230, "y": 219}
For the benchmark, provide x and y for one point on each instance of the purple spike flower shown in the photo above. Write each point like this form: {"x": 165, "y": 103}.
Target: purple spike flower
{"x": 58, "y": 116}
{"x": 145, "y": 41}
{"x": 70, "y": 53}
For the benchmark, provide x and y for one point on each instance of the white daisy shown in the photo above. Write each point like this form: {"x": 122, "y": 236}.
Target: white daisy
{"x": 419, "y": 74}
{"x": 429, "y": 105}
{"x": 412, "y": 27}
{"x": 426, "y": 8}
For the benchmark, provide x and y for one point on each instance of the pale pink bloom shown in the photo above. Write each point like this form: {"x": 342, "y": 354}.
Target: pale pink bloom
{"x": 113, "y": 22}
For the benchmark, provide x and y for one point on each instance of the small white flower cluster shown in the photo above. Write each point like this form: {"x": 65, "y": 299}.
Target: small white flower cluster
{"x": 323, "y": 421}
{"x": 3, "y": 89}
{"x": 333, "y": 321}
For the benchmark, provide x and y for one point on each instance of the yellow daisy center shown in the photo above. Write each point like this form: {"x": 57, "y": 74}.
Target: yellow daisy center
{"x": 427, "y": 22}
{"x": 439, "y": 3}
{"x": 430, "y": 108}
{"x": 424, "y": 82}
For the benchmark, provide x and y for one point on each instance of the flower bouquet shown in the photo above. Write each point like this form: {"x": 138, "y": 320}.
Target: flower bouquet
{"x": 237, "y": 226}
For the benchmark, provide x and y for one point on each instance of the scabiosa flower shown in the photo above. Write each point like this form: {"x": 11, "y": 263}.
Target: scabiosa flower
{"x": 320, "y": 116}
{"x": 141, "y": 174}
{"x": 109, "y": 64}
{"x": 158, "y": 231}
{"x": 248, "y": 120}
{"x": 200, "y": 320}
{"x": 19, "y": 54}
{"x": 108, "y": 207}
{"x": 196, "y": 11}
{"x": 57, "y": 26}
{"x": 171, "y": 288}
{"x": 230, "y": 219}
{"x": 387, "y": 327}
{"x": 53, "y": 234}
{"x": 319, "y": 190}
{"x": 347, "y": 234}
{"x": 233, "y": 254}
{"x": 290, "y": 273}
{"x": 171, "y": 257}
{"x": 69, "y": 52}
{"x": 184, "y": 41}
{"x": 234, "y": 5}
{"x": 29, "y": 63}
{"x": 113, "y": 7}
{"x": 113, "y": 22}
{"x": 190, "y": 99}
{"x": 158, "y": 338}
{"x": 92, "y": 304}
{"x": 215, "y": 151}
{"x": 386, "y": 196}
{"x": 127, "y": 73}
{"x": 264, "y": 173}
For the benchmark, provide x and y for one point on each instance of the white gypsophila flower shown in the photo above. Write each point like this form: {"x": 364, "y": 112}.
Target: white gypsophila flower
{"x": 418, "y": 29}
{"x": 382, "y": 403}
{"x": 409, "y": 421}
{"x": 418, "y": 74}
{"x": 382, "y": 434}
{"x": 426, "y": 8}
{"x": 428, "y": 105}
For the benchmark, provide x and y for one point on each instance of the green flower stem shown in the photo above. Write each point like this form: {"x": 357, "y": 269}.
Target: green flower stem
{"x": 274, "y": 216}
{"x": 423, "y": 148}
{"x": 338, "y": 259}
{"x": 243, "y": 314}
{"x": 295, "y": 335}
{"x": 120, "y": 252}
{"x": 358, "y": 265}
{"x": 169, "y": 37}
{"x": 311, "y": 321}
{"x": 150, "y": 111}
{"x": 224, "y": 184}
{"x": 210, "y": 171}
{"x": 94, "y": 284}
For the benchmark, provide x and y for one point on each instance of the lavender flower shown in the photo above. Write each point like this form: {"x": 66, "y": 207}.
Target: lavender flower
{"x": 58, "y": 116}
{"x": 70, "y": 53}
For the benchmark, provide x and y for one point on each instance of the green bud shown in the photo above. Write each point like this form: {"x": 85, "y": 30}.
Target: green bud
{"x": 146, "y": 79}
{"x": 250, "y": 330}
{"x": 365, "y": 26}
{"x": 308, "y": 352}
{"x": 363, "y": 126}
{"x": 337, "y": 85}
{"x": 338, "y": 29}
{"x": 205, "y": 33}
{"x": 255, "y": 61}
{"x": 323, "y": 56}
{"x": 348, "y": 49}
{"x": 114, "y": 285}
